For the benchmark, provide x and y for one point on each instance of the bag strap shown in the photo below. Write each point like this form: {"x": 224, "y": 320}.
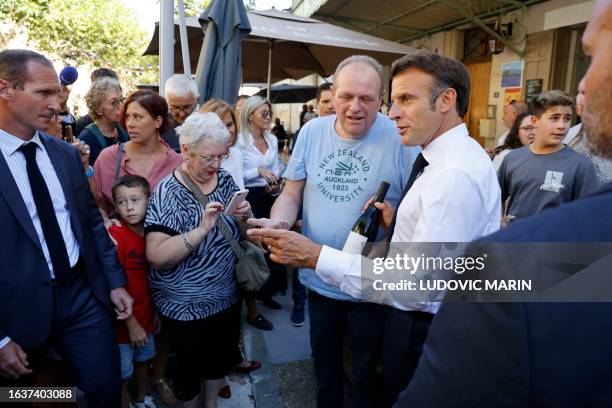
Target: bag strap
{"x": 118, "y": 162}
{"x": 93, "y": 128}
{"x": 220, "y": 223}
{"x": 123, "y": 134}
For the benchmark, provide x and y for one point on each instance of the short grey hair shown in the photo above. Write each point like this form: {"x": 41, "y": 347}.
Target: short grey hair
{"x": 361, "y": 59}
{"x": 97, "y": 93}
{"x": 200, "y": 127}
{"x": 251, "y": 105}
{"x": 180, "y": 85}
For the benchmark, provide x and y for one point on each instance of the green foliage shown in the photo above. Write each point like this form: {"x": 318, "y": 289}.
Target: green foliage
{"x": 98, "y": 32}
{"x": 194, "y": 7}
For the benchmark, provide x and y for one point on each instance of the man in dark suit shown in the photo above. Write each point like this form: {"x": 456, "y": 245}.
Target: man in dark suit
{"x": 534, "y": 354}
{"x": 57, "y": 263}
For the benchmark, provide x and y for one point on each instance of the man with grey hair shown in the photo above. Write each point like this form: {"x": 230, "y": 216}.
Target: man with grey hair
{"x": 181, "y": 93}
{"x": 336, "y": 166}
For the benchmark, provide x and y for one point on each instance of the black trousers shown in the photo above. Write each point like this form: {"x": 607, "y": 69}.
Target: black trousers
{"x": 404, "y": 335}
{"x": 330, "y": 321}
{"x": 261, "y": 203}
{"x": 205, "y": 349}
{"x": 83, "y": 335}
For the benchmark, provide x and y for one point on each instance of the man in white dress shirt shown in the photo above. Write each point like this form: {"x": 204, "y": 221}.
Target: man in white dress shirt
{"x": 336, "y": 166}
{"x": 454, "y": 197}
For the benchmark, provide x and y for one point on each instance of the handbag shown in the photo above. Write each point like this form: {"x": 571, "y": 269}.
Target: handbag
{"x": 252, "y": 270}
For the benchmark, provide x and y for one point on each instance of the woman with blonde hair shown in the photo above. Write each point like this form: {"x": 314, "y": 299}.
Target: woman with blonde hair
{"x": 260, "y": 165}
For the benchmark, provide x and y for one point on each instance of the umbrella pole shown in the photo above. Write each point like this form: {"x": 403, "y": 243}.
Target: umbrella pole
{"x": 166, "y": 42}
{"x": 184, "y": 41}
{"x": 269, "y": 69}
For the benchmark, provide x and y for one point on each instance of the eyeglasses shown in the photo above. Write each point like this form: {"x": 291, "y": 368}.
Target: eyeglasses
{"x": 527, "y": 128}
{"x": 208, "y": 160}
{"x": 175, "y": 109}
{"x": 115, "y": 103}
{"x": 266, "y": 115}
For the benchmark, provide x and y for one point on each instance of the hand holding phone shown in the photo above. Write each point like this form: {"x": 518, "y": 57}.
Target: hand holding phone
{"x": 237, "y": 199}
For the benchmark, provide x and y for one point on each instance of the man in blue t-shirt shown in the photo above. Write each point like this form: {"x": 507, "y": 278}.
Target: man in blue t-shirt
{"x": 336, "y": 167}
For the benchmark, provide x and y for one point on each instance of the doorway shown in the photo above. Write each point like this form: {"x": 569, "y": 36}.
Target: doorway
{"x": 480, "y": 75}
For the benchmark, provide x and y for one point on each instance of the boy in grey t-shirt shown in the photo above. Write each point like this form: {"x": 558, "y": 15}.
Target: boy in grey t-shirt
{"x": 546, "y": 173}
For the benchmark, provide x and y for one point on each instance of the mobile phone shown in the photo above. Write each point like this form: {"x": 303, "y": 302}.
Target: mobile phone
{"x": 237, "y": 199}
{"x": 69, "y": 137}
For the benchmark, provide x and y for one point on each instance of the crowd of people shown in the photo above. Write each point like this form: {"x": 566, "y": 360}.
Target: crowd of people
{"x": 122, "y": 236}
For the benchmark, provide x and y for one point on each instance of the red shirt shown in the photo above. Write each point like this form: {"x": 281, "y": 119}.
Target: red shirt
{"x": 131, "y": 254}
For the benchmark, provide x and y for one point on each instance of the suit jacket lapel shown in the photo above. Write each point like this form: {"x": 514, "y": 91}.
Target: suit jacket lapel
{"x": 14, "y": 200}
{"x": 58, "y": 159}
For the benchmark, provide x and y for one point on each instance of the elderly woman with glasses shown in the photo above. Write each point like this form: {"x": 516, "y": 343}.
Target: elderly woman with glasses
{"x": 192, "y": 280}
{"x": 104, "y": 101}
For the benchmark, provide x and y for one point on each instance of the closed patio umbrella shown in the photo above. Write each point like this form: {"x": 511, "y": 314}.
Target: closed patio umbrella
{"x": 219, "y": 69}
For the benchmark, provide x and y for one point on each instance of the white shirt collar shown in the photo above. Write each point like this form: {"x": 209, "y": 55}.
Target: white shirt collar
{"x": 10, "y": 143}
{"x": 439, "y": 145}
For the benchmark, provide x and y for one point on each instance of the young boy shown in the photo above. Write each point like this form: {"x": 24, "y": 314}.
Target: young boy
{"x": 546, "y": 173}
{"x": 135, "y": 338}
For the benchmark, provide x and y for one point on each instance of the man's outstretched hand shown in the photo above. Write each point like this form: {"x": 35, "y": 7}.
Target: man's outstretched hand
{"x": 288, "y": 247}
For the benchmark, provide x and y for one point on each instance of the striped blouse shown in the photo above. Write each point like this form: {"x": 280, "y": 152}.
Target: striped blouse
{"x": 204, "y": 283}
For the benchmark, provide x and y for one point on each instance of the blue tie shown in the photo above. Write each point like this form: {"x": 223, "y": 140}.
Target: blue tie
{"x": 417, "y": 168}
{"x": 46, "y": 214}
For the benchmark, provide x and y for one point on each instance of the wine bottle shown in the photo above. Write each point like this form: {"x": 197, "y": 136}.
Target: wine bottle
{"x": 366, "y": 226}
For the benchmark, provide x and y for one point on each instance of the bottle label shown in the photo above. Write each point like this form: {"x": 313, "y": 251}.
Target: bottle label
{"x": 354, "y": 243}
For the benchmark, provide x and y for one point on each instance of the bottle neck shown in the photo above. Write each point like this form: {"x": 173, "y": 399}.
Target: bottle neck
{"x": 382, "y": 192}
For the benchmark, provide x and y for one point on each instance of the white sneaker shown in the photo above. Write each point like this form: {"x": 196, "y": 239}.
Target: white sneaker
{"x": 148, "y": 402}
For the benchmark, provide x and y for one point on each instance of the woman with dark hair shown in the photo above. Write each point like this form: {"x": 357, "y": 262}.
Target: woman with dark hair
{"x": 144, "y": 115}
{"x": 521, "y": 134}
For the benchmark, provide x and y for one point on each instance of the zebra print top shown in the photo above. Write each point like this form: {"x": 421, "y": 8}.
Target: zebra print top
{"x": 204, "y": 283}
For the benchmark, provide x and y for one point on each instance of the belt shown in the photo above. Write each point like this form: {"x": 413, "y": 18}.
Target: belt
{"x": 75, "y": 270}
